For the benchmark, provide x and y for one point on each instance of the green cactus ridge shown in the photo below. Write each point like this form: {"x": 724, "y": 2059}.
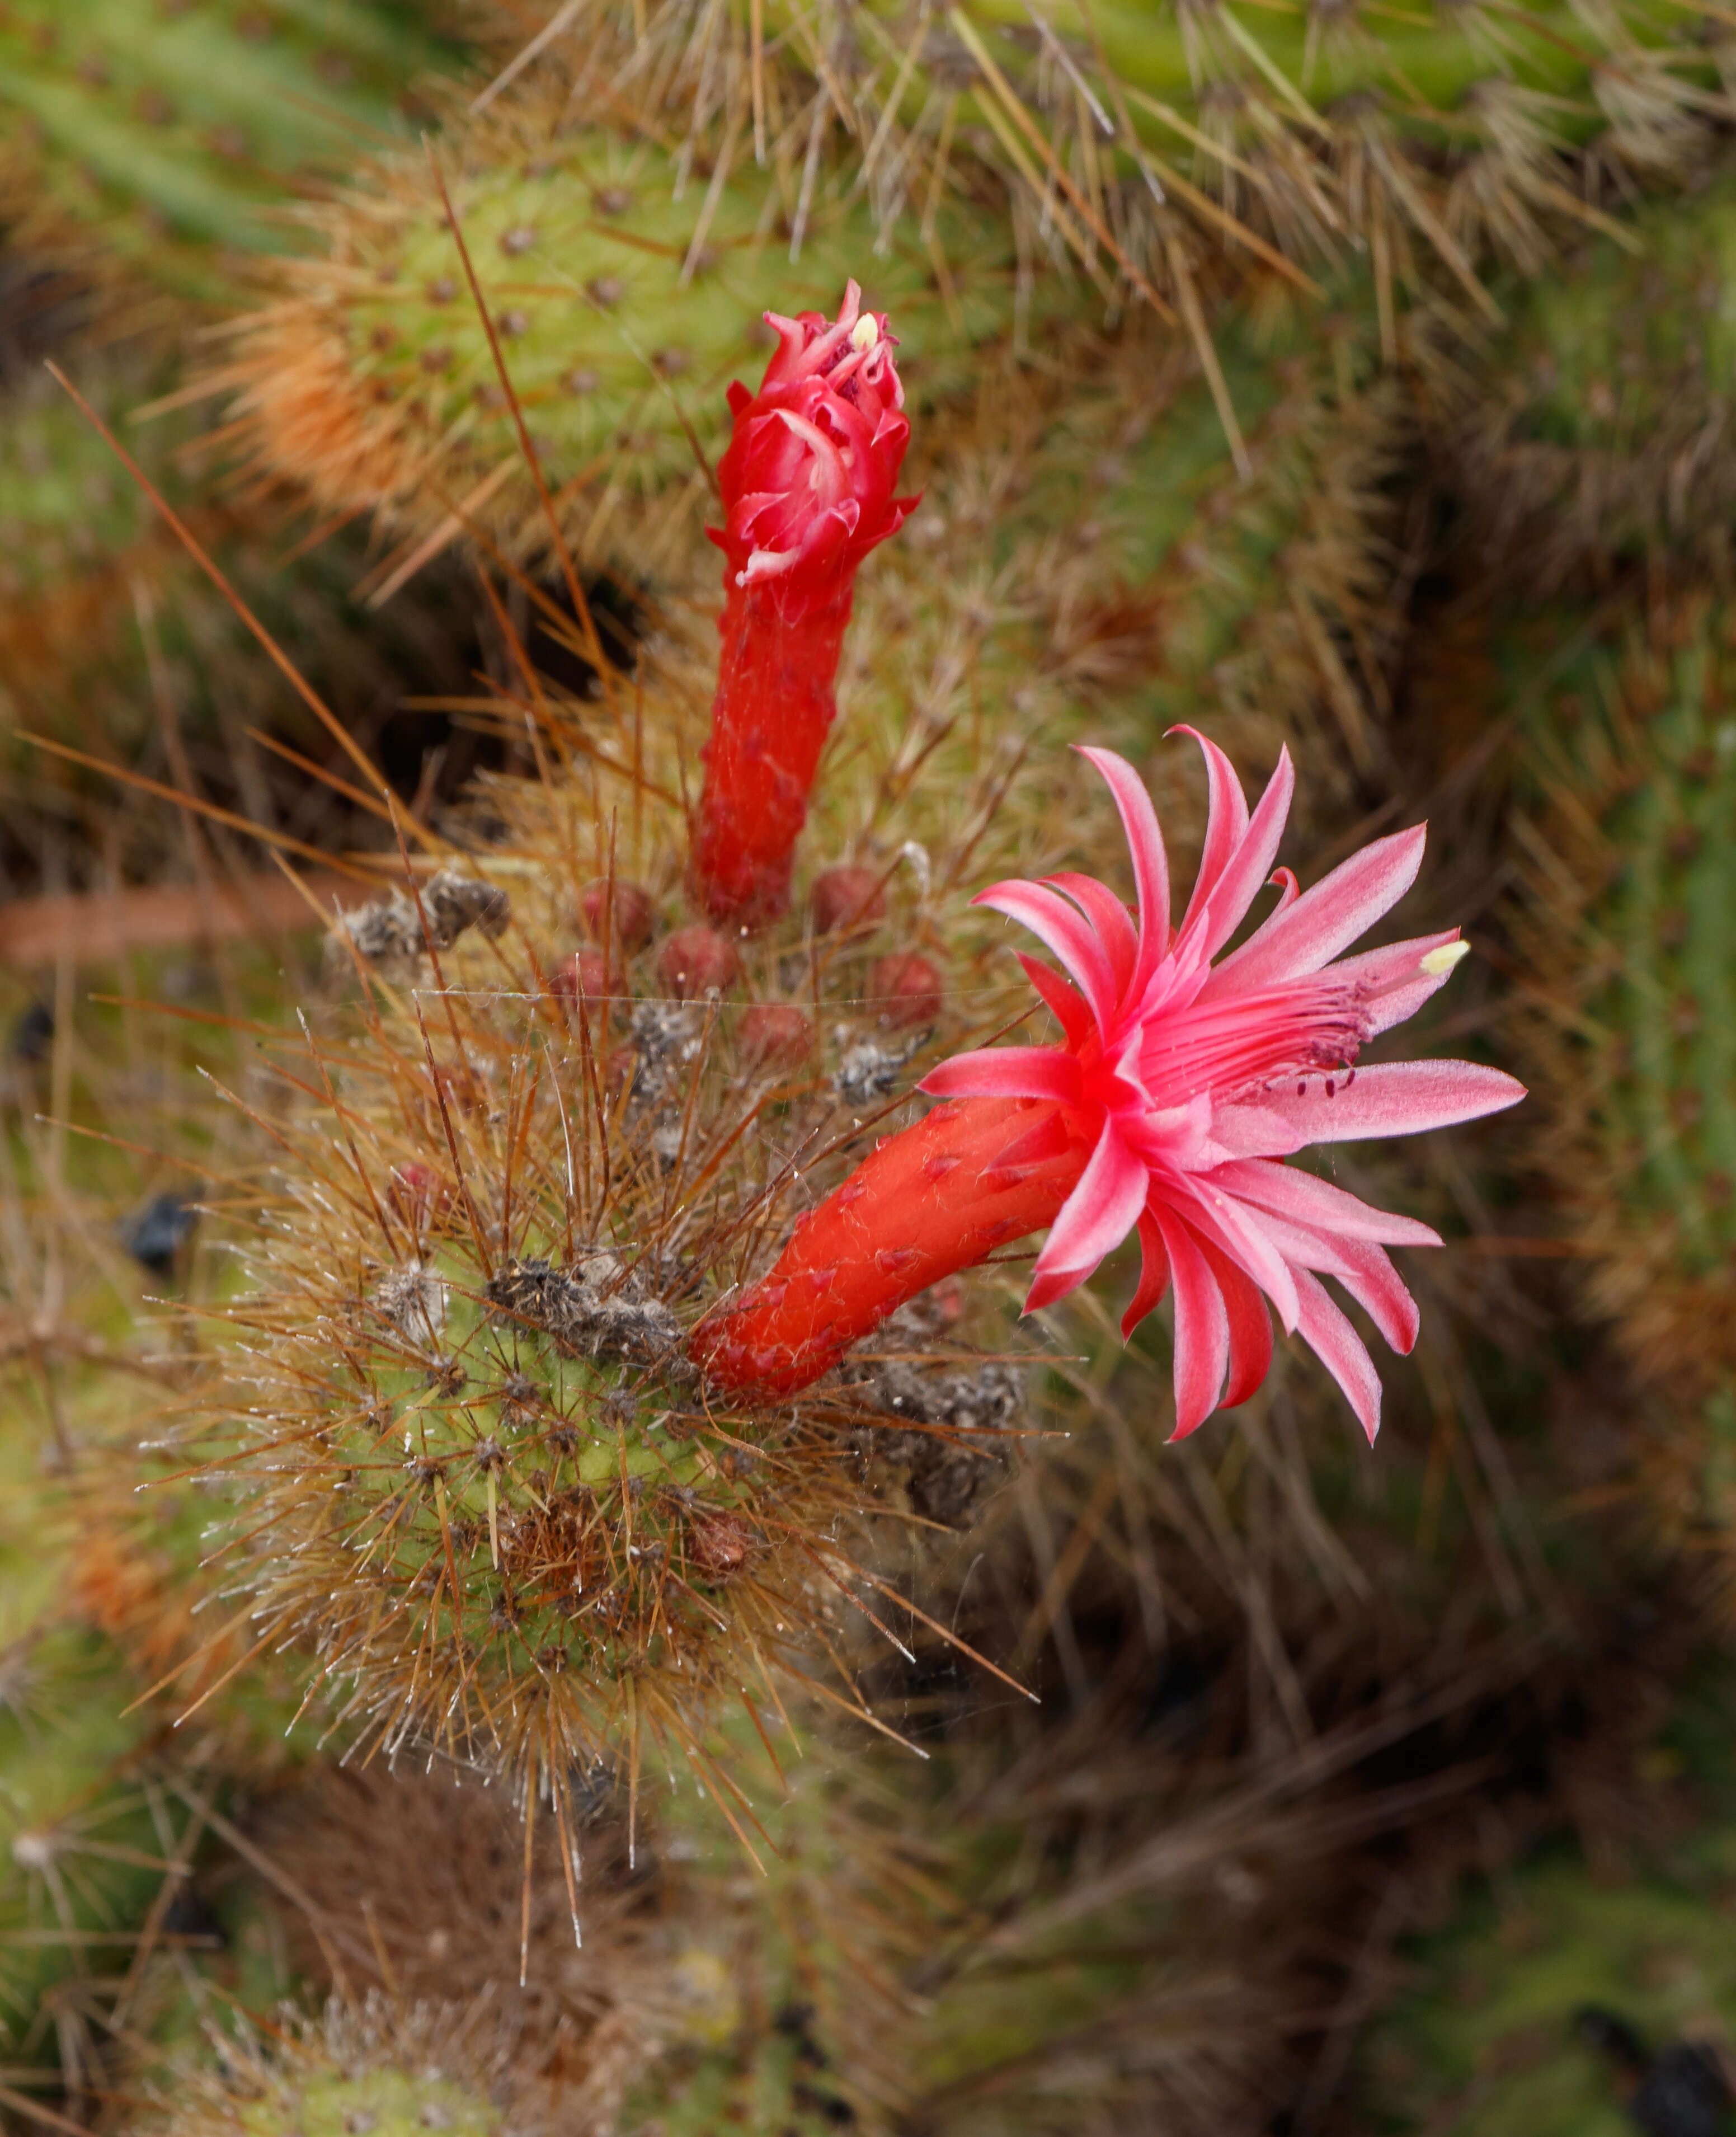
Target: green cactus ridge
{"x": 566, "y": 1496}
{"x": 627, "y": 280}
{"x": 1118, "y": 129}
{"x": 474, "y": 1469}
{"x": 81, "y": 1858}
{"x": 376, "y": 2068}
{"x": 1266, "y": 591}
{"x": 1635, "y": 772}
{"x": 65, "y": 502}
{"x": 1482, "y": 2042}
{"x": 1596, "y": 427}
{"x": 159, "y": 133}
{"x": 390, "y": 2103}
{"x": 624, "y": 305}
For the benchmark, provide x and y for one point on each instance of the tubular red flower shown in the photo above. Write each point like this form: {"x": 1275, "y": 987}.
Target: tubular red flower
{"x": 807, "y": 485}
{"x": 1179, "y": 1087}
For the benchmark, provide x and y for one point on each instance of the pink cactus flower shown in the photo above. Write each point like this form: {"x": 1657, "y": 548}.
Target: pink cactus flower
{"x": 1179, "y": 1087}
{"x": 807, "y": 485}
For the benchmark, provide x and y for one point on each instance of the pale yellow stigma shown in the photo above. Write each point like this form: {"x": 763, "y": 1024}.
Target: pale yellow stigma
{"x": 1438, "y": 963}
{"x": 865, "y": 333}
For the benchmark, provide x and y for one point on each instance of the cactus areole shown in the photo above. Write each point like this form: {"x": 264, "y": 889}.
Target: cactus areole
{"x": 1179, "y": 1087}
{"x": 807, "y": 489}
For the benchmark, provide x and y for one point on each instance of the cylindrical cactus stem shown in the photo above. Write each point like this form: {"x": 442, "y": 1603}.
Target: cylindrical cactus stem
{"x": 807, "y": 490}
{"x": 937, "y": 1198}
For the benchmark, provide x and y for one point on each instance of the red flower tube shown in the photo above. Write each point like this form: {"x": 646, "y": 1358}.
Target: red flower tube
{"x": 937, "y": 1198}
{"x": 1182, "y": 1081}
{"x": 807, "y": 485}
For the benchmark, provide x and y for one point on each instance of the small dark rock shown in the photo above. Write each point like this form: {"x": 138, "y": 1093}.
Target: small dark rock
{"x": 1681, "y": 2091}
{"x": 155, "y": 1237}
{"x": 190, "y": 1915}
{"x": 33, "y": 1034}
{"x": 1683, "y": 2095}
{"x": 1610, "y": 2035}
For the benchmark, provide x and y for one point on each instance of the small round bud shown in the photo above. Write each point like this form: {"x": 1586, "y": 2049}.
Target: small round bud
{"x": 846, "y": 897}
{"x": 774, "y": 1034}
{"x": 905, "y": 989}
{"x": 718, "y": 1544}
{"x": 419, "y": 1195}
{"x": 696, "y": 959}
{"x": 584, "y": 976}
{"x": 631, "y": 921}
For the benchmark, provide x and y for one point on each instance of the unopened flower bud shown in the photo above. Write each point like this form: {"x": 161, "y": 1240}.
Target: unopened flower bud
{"x": 584, "y": 976}
{"x": 807, "y": 487}
{"x": 774, "y": 1034}
{"x": 630, "y": 917}
{"x": 905, "y": 989}
{"x": 695, "y": 960}
{"x": 846, "y": 897}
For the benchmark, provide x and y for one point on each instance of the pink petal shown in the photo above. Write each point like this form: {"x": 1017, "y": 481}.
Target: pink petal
{"x": 1099, "y": 1213}
{"x": 1108, "y": 916}
{"x": 1056, "y": 924}
{"x": 1398, "y": 986}
{"x": 1201, "y": 1326}
{"x": 1226, "y": 820}
{"x": 1339, "y": 1349}
{"x": 1301, "y": 938}
{"x": 1246, "y": 1235}
{"x": 1063, "y": 999}
{"x": 1250, "y": 1327}
{"x": 1247, "y": 868}
{"x": 1031, "y": 1145}
{"x": 1307, "y": 1200}
{"x": 1379, "y": 1290}
{"x": 1154, "y": 1275}
{"x": 1393, "y": 1097}
{"x": 1052, "y": 1284}
{"x": 1361, "y": 1266}
{"x": 1006, "y": 1072}
{"x": 1150, "y": 863}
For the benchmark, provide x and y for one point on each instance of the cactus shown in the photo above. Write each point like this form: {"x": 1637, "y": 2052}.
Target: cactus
{"x": 81, "y": 1856}
{"x": 1626, "y": 772}
{"x": 1627, "y": 762}
{"x": 1592, "y": 431}
{"x": 66, "y": 505}
{"x": 1566, "y": 2003}
{"x": 459, "y": 1487}
{"x": 1259, "y": 604}
{"x": 472, "y": 1472}
{"x": 150, "y": 145}
{"x": 622, "y": 304}
{"x": 377, "y": 2067}
{"x": 112, "y": 643}
{"x": 1127, "y": 148}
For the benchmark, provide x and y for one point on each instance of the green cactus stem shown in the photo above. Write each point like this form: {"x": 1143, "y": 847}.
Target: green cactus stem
{"x": 1630, "y": 761}
{"x": 1129, "y": 146}
{"x": 155, "y": 141}
{"x": 1513, "y": 2016}
{"x": 623, "y": 301}
{"x": 1596, "y": 428}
